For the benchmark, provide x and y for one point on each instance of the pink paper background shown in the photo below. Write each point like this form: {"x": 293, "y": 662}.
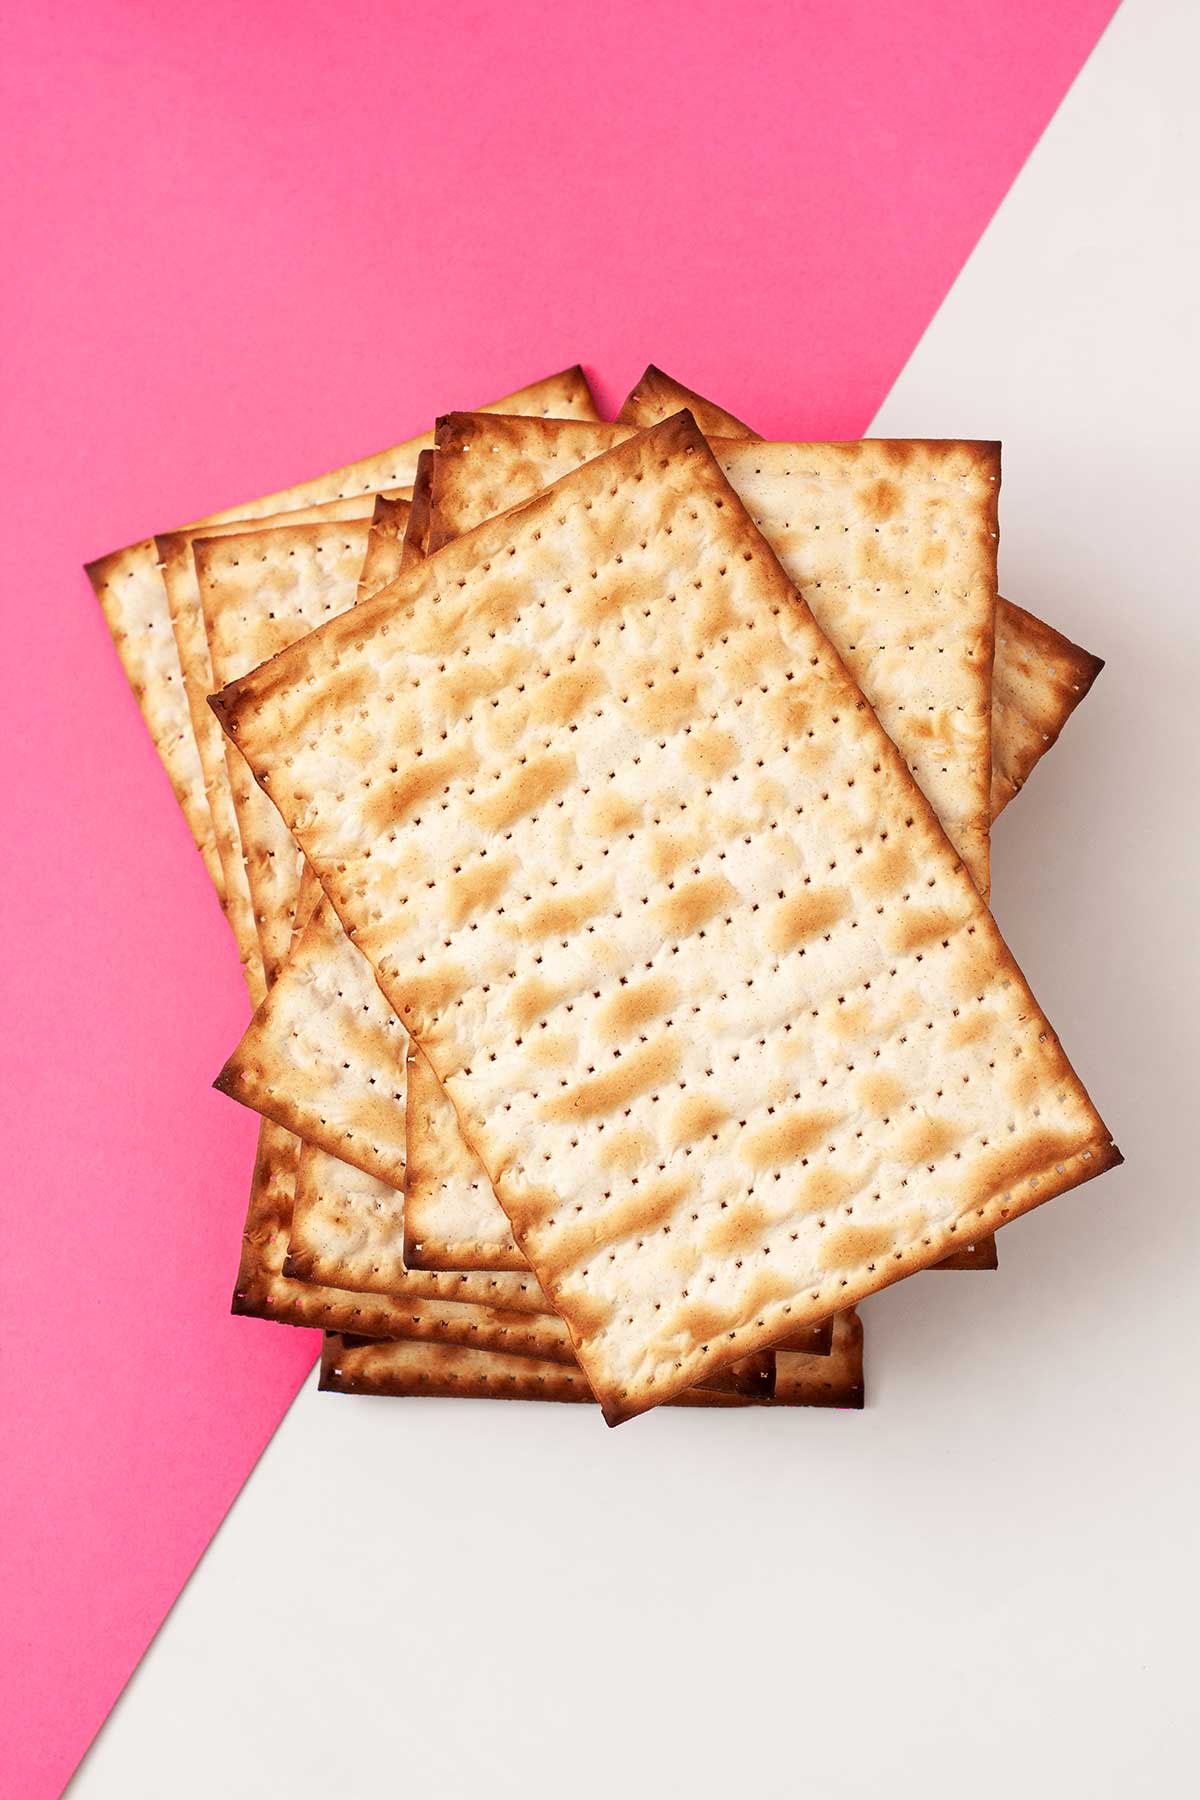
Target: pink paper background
{"x": 242, "y": 244}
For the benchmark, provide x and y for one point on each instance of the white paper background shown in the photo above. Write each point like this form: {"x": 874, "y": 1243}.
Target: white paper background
{"x": 987, "y": 1584}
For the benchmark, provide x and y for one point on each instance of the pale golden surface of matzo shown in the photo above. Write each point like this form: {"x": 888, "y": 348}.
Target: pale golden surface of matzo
{"x": 1038, "y": 675}
{"x": 130, "y": 590}
{"x": 892, "y": 542}
{"x": 177, "y": 570}
{"x": 265, "y": 1291}
{"x": 325, "y": 1056}
{"x": 1038, "y": 680}
{"x": 451, "y": 1217}
{"x": 261, "y": 590}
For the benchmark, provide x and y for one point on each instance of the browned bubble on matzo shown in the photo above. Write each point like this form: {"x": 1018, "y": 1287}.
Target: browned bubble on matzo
{"x": 130, "y": 590}
{"x": 264, "y": 1291}
{"x": 715, "y": 1000}
{"x": 325, "y": 1055}
{"x": 891, "y": 541}
{"x": 308, "y": 899}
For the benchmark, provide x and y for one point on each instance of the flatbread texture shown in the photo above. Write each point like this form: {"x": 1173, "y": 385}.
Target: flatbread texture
{"x": 490, "y": 1244}
{"x": 408, "y": 1369}
{"x": 716, "y": 1002}
{"x": 261, "y": 590}
{"x": 447, "y": 1185}
{"x": 892, "y": 543}
{"x": 657, "y": 396}
{"x": 1040, "y": 678}
{"x": 384, "y": 559}
{"x": 130, "y": 591}
{"x": 325, "y": 1055}
{"x": 416, "y": 532}
{"x": 290, "y": 1178}
{"x": 1038, "y": 675}
{"x": 178, "y": 571}
{"x": 448, "y": 1372}
{"x": 452, "y": 1219}
{"x": 347, "y": 1227}
{"x": 351, "y": 1230}
{"x": 129, "y": 587}
{"x": 347, "y": 1234}
{"x": 264, "y": 1291}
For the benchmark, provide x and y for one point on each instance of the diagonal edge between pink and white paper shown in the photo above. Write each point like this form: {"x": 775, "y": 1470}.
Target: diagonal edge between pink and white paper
{"x": 773, "y": 215}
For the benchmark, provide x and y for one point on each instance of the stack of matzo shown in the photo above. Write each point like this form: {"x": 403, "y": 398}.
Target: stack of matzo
{"x": 602, "y": 817}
